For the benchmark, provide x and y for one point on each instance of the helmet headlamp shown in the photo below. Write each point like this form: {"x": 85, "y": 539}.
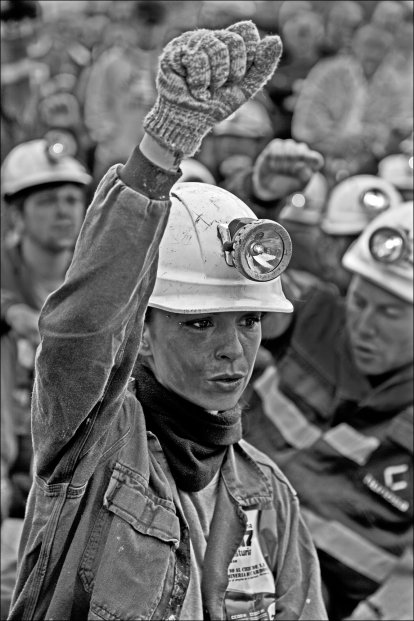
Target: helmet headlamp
{"x": 59, "y": 144}
{"x": 259, "y": 249}
{"x": 389, "y": 245}
{"x": 298, "y": 200}
{"x": 374, "y": 201}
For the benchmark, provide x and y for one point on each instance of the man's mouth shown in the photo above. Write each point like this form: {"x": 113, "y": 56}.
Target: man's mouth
{"x": 362, "y": 351}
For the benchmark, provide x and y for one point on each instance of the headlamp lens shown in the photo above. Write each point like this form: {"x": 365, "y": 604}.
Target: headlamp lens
{"x": 387, "y": 245}
{"x": 261, "y": 250}
{"x": 375, "y": 201}
{"x": 60, "y": 143}
{"x": 298, "y": 200}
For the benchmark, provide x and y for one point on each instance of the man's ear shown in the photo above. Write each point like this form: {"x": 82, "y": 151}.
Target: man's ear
{"x": 145, "y": 345}
{"x": 16, "y": 220}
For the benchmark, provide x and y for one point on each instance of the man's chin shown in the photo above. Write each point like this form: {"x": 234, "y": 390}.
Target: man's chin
{"x": 369, "y": 366}
{"x": 62, "y": 246}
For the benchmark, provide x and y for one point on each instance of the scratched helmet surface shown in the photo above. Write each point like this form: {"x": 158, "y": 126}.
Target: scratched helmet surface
{"x": 193, "y": 273}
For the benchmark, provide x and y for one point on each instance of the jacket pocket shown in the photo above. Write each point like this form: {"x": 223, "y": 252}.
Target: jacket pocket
{"x": 129, "y": 559}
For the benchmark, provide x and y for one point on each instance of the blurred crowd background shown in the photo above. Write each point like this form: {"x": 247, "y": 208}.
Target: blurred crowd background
{"x": 81, "y": 74}
{"x": 87, "y": 68}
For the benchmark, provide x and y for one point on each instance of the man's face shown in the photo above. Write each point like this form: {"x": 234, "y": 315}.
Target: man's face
{"x": 370, "y": 54}
{"x": 205, "y": 358}
{"x": 380, "y": 327}
{"x": 52, "y": 217}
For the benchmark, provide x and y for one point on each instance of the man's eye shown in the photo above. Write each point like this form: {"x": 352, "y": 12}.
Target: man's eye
{"x": 392, "y": 312}
{"x": 358, "y": 302}
{"x": 72, "y": 200}
{"x": 199, "y": 324}
{"x": 45, "y": 202}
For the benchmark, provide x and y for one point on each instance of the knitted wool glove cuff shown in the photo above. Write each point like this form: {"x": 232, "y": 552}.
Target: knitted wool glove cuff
{"x": 204, "y": 76}
{"x": 180, "y": 130}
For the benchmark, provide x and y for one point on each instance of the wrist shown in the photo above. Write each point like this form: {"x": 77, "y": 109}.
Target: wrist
{"x": 178, "y": 130}
{"x": 159, "y": 155}
{"x": 145, "y": 176}
{"x": 259, "y": 191}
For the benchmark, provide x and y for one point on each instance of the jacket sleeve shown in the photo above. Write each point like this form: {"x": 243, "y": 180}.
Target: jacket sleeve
{"x": 394, "y": 598}
{"x": 91, "y": 326}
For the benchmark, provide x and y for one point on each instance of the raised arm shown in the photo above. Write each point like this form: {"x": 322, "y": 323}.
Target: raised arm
{"x": 91, "y": 326}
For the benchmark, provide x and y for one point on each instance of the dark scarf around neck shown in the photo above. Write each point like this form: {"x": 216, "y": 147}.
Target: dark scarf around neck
{"x": 194, "y": 441}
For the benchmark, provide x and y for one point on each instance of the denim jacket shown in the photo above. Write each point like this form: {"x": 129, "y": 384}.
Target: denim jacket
{"x": 103, "y": 537}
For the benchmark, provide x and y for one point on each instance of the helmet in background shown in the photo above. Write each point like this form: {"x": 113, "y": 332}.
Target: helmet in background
{"x": 36, "y": 163}
{"x": 193, "y": 170}
{"x": 383, "y": 253}
{"x": 355, "y": 201}
{"x": 398, "y": 170}
{"x": 306, "y": 207}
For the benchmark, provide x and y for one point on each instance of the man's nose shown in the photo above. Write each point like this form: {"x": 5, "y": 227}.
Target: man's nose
{"x": 365, "y": 323}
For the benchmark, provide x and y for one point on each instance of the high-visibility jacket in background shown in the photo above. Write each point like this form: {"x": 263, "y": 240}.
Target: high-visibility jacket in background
{"x": 347, "y": 449}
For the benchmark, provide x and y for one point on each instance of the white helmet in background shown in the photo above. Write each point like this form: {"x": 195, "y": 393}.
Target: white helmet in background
{"x": 216, "y": 255}
{"x": 36, "y": 163}
{"x": 398, "y": 170}
{"x": 306, "y": 207}
{"x": 355, "y": 201}
{"x": 193, "y": 170}
{"x": 383, "y": 253}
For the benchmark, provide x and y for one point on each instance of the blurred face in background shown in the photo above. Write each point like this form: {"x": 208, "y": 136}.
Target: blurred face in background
{"x": 341, "y": 24}
{"x": 17, "y": 36}
{"x": 51, "y": 218}
{"x": 302, "y": 34}
{"x": 371, "y": 45}
{"x": 388, "y": 15}
{"x": 380, "y": 327}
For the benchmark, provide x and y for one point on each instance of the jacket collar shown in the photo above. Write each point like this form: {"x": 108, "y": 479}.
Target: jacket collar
{"x": 246, "y": 482}
{"x": 393, "y": 395}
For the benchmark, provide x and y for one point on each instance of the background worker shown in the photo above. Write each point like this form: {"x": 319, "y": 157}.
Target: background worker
{"x": 142, "y": 475}
{"x": 336, "y": 413}
{"x": 45, "y": 197}
{"x": 351, "y": 206}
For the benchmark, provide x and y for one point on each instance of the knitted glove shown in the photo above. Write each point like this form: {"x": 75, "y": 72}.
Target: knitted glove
{"x": 203, "y": 77}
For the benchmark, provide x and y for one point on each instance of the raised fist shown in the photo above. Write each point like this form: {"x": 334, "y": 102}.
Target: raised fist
{"x": 203, "y": 77}
{"x": 283, "y": 167}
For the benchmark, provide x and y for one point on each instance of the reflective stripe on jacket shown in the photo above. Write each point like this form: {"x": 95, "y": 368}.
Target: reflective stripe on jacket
{"x": 346, "y": 448}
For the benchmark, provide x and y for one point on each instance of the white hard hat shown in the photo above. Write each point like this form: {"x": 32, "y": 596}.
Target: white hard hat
{"x": 251, "y": 120}
{"x": 383, "y": 253}
{"x": 206, "y": 253}
{"x": 38, "y": 162}
{"x": 398, "y": 170}
{"x": 193, "y": 170}
{"x": 355, "y": 201}
{"x": 306, "y": 207}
